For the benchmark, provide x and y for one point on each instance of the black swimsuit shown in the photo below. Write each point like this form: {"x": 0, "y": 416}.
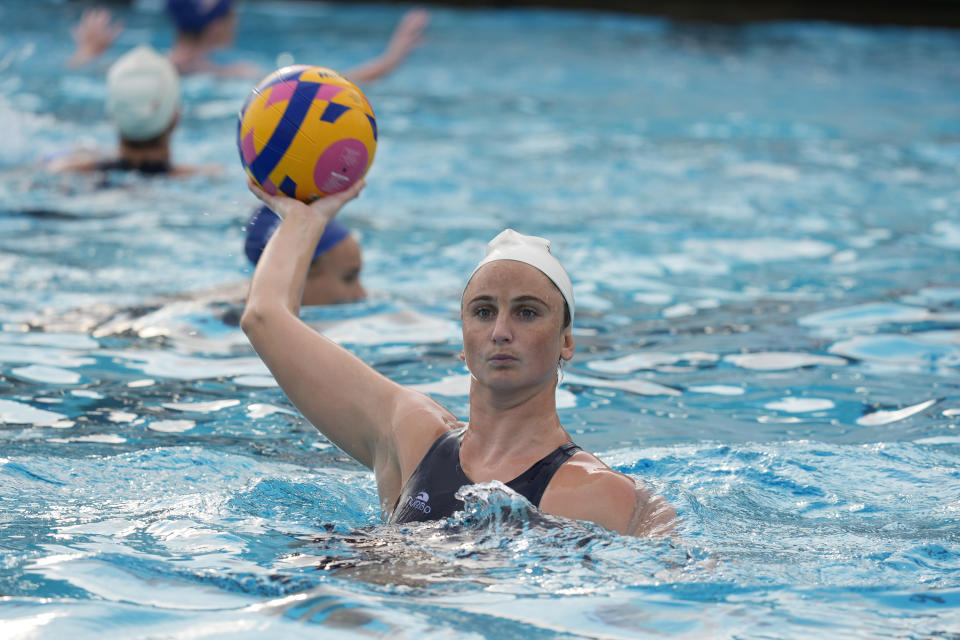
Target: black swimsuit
{"x": 121, "y": 164}
{"x": 430, "y": 492}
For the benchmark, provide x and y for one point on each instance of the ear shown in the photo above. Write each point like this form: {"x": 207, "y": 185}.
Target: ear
{"x": 567, "y": 346}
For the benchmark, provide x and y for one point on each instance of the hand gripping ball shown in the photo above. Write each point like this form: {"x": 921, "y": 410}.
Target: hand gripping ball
{"x": 306, "y": 132}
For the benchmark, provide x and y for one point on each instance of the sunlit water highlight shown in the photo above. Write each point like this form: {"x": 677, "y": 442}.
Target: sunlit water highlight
{"x": 762, "y": 227}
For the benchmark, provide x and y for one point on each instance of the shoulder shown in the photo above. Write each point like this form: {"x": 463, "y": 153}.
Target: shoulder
{"x": 587, "y": 489}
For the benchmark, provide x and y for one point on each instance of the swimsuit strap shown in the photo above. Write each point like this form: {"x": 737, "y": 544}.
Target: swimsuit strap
{"x": 532, "y": 483}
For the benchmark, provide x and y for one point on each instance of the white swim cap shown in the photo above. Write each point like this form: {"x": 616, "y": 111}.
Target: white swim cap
{"x": 510, "y": 245}
{"x": 143, "y": 93}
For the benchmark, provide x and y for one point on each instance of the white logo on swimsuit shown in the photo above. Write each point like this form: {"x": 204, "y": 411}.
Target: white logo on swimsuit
{"x": 420, "y": 502}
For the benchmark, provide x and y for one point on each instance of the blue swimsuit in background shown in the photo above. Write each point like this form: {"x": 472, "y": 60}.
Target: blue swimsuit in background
{"x": 430, "y": 492}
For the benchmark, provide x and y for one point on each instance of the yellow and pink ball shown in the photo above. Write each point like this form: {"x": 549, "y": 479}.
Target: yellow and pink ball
{"x": 307, "y": 132}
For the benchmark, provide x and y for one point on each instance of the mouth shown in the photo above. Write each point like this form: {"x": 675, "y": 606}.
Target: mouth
{"x": 502, "y": 358}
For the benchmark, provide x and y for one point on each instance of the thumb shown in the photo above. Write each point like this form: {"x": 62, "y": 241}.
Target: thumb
{"x": 353, "y": 190}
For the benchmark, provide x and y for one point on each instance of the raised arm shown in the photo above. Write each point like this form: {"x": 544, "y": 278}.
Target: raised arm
{"x": 93, "y": 35}
{"x": 347, "y": 400}
{"x": 407, "y": 36}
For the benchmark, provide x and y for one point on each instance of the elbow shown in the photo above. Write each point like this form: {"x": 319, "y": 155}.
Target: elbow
{"x": 252, "y": 320}
{"x": 262, "y": 317}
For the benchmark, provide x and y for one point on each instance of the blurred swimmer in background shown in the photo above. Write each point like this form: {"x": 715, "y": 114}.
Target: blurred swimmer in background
{"x": 206, "y": 26}
{"x": 202, "y": 28}
{"x": 332, "y": 278}
{"x": 143, "y": 102}
{"x": 334, "y": 273}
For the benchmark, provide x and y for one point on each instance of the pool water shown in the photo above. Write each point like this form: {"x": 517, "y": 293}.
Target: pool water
{"x": 763, "y": 228}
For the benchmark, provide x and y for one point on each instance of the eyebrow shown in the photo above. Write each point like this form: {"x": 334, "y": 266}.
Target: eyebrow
{"x": 519, "y": 299}
{"x": 530, "y": 299}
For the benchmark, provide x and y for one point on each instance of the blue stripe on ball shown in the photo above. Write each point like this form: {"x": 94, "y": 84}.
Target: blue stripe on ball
{"x": 297, "y": 107}
{"x": 288, "y": 187}
{"x": 333, "y": 111}
{"x": 271, "y": 80}
{"x": 373, "y": 125}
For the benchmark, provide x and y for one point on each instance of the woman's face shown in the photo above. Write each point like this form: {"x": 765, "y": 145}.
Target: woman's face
{"x": 513, "y": 333}
{"x": 222, "y": 31}
{"x": 335, "y": 276}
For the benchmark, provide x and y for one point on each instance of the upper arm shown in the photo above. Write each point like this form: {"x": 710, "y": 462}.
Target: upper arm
{"x": 352, "y": 404}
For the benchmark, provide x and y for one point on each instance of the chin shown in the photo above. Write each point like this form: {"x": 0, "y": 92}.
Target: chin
{"x": 506, "y": 380}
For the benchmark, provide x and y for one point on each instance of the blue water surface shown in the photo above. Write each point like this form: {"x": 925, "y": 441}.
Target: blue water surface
{"x": 762, "y": 223}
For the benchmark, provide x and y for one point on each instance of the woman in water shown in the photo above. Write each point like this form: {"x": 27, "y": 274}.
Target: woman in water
{"x": 517, "y": 311}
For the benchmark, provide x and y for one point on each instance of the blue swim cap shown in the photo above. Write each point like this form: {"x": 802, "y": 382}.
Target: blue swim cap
{"x": 193, "y": 16}
{"x": 264, "y": 222}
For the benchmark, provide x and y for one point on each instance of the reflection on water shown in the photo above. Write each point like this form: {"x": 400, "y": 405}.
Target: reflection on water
{"x": 761, "y": 224}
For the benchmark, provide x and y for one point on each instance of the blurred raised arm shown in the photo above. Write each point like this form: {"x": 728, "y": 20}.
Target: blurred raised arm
{"x": 93, "y": 35}
{"x": 407, "y": 36}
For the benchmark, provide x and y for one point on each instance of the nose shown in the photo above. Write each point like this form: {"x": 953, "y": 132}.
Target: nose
{"x": 502, "y": 330}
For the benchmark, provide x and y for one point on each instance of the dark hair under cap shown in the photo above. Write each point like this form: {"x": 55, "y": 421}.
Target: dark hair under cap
{"x": 263, "y": 223}
{"x": 193, "y": 16}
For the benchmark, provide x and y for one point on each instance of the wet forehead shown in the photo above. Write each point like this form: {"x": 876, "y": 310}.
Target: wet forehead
{"x": 512, "y": 279}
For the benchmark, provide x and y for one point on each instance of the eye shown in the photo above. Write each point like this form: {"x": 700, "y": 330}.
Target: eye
{"x": 527, "y": 313}
{"x": 483, "y": 313}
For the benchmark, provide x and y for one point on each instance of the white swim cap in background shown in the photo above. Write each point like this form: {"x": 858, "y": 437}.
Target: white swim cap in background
{"x": 143, "y": 93}
{"x": 510, "y": 245}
